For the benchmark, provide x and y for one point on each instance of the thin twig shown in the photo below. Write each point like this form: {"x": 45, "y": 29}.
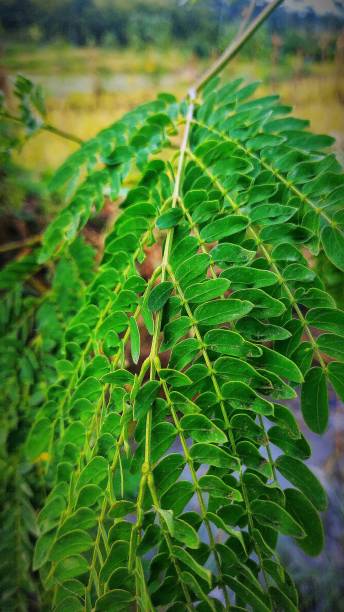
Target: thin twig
{"x": 48, "y": 128}
{"x": 19, "y": 244}
{"x": 247, "y": 18}
{"x": 235, "y": 46}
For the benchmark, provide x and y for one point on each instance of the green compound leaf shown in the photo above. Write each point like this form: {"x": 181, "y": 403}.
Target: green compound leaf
{"x": 145, "y": 397}
{"x": 241, "y": 394}
{"x": 231, "y": 253}
{"x": 83, "y": 518}
{"x": 241, "y": 276}
{"x": 94, "y": 472}
{"x": 149, "y": 388}
{"x": 326, "y": 319}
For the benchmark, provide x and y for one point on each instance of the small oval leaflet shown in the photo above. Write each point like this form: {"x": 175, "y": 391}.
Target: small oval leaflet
{"x": 302, "y": 478}
{"x": 223, "y": 228}
{"x": 169, "y": 219}
{"x": 222, "y": 311}
{"x": 159, "y": 295}
{"x": 314, "y": 401}
{"x": 134, "y": 339}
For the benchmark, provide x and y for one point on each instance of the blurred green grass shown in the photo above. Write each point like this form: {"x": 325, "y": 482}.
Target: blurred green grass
{"x": 88, "y": 88}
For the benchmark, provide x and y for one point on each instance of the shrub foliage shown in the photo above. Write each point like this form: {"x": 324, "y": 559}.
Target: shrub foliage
{"x": 164, "y": 481}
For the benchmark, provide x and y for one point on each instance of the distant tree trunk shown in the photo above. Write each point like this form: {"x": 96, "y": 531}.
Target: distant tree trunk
{"x": 277, "y": 44}
{"x": 339, "y": 61}
{"x": 4, "y": 83}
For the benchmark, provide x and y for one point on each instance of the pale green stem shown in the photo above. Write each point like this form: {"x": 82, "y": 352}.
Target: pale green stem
{"x": 146, "y": 467}
{"x": 46, "y": 127}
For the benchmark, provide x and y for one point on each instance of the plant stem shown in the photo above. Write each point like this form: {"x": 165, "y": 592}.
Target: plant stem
{"x": 18, "y": 244}
{"x": 48, "y": 128}
{"x": 235, "y": 46}
{"x": 153, "y": 356}
{"x": 246, "y": 18}
{"x": 174, "y": 204}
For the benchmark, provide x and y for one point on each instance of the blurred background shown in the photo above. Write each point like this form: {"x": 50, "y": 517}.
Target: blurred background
{"x": 96, "y": 59}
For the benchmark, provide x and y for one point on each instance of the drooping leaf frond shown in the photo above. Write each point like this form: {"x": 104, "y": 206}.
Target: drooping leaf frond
{"x": 165, "y": 472}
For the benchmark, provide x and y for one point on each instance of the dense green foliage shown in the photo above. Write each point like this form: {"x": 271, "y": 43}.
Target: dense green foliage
{"x": 160, "y": 480}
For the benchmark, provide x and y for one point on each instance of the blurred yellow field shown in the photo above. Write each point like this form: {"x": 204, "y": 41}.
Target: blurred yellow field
{"x": 89, "y": 88}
